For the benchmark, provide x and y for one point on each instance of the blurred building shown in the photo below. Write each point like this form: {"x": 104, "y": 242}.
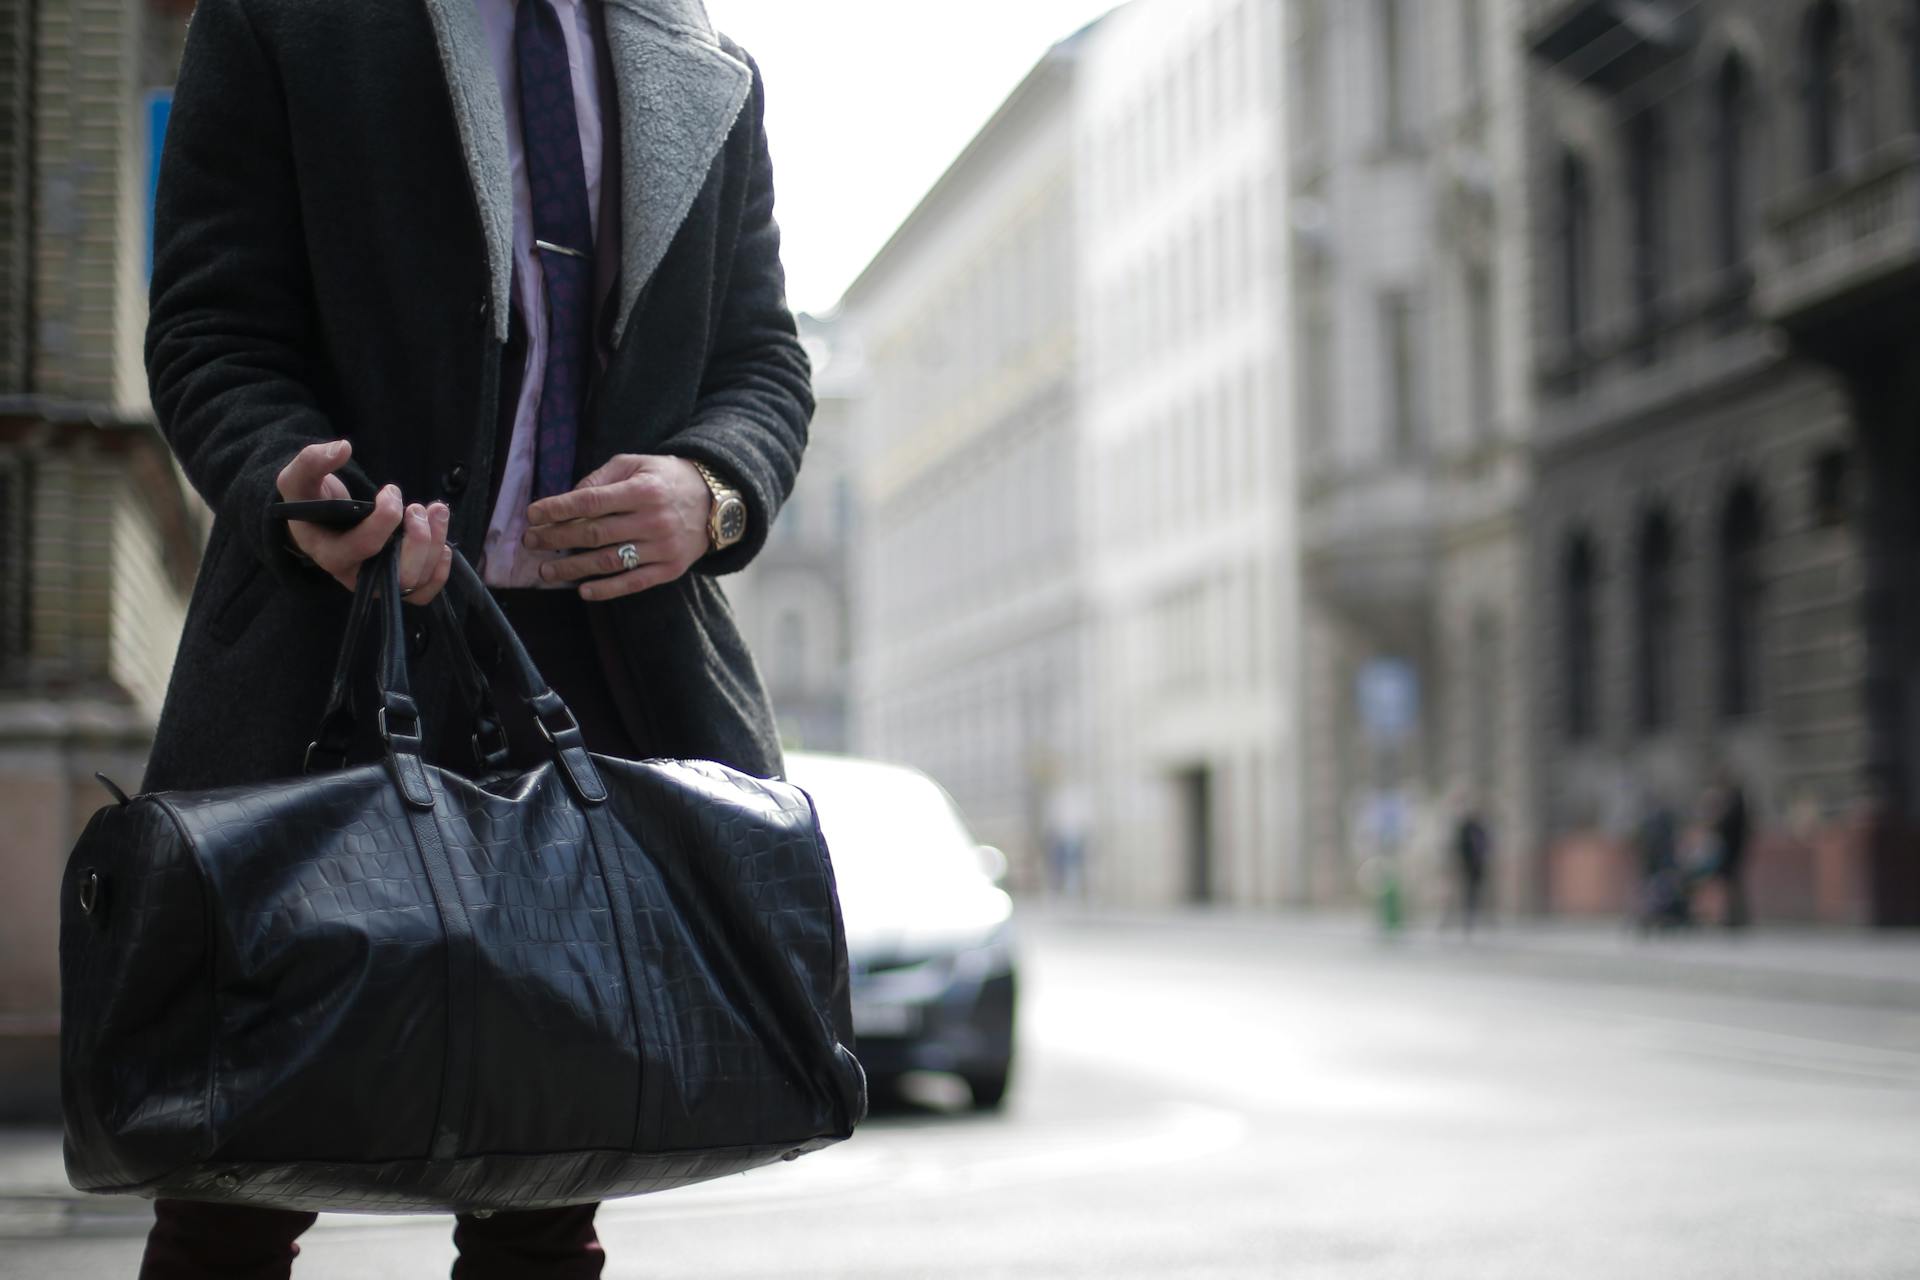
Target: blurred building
{"x": 99, "y": 535}
{"x": 1189, "y": 470}
{"x": 793, "y": 601}
{"x": 968, "y": 602}
{"x": 1727, "y": 562}
{"x": 1406, "y": 171}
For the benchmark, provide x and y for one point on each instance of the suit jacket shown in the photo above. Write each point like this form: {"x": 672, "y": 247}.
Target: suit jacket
{"x": 332, "y": 257}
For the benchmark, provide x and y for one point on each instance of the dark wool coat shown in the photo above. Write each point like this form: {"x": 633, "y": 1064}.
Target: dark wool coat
{"x": 332, "y": 258}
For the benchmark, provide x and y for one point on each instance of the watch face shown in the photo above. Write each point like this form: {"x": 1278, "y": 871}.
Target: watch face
{"x": 733, "y": 521}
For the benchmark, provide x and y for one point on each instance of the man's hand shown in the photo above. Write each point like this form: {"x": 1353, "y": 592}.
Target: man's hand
{"x": 659, "y": 504}
{"x": 425, "y": 559}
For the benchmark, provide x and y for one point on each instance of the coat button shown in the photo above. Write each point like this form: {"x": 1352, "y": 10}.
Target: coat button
{"x": 417, "y": 639}
{"x": 454, "y": 482}
{"x": 485, "y": 309}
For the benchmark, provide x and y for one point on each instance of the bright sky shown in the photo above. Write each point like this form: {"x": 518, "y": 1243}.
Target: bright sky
{"x": 868, "y": 101}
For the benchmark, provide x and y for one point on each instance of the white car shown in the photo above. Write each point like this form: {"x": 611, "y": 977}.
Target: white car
{"x": 929, "y": 930}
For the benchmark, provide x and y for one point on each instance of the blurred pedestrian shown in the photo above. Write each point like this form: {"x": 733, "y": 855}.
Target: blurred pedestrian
{"x": 515, "y": 258}
{"x": 1472, "y": 851}
{"x": 1732, "y": 832}
{"x": 1069, "y": 817}
{"x": 1666, "y": 900}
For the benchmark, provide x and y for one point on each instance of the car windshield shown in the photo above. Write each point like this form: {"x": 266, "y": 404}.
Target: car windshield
{"x": 881, "y": 821}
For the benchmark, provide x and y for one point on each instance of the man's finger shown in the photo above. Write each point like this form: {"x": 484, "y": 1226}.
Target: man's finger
{"x": 436, "y": 581}
{"x": 588, "y": 564}
{"x": 626, "y": 584}
{"x": 301, "y": 478}
{"x": 613, "y": 470}
{"x": 580, "y": 504}
{"x": 591, "y": 531}
{"x": 418, "y": 555}
{"x": 341, "y": 552}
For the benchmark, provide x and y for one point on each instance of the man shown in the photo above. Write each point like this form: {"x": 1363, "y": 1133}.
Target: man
{"x": 1732, "y": 831}
{"x": 509, "y": 268}
{"x": 1472, "y": 850}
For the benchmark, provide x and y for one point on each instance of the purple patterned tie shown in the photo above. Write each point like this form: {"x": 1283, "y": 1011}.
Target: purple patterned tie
{"x": 563, "y": 234}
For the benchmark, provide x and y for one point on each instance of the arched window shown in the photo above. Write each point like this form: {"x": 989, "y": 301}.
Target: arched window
{"x": 1740, "y": 599}
{"x": 1732, "y": 96}
{"x": 1487, "y": 664}
{"x": 1576, "y": 244}
{"x": 1647, "y": 190}
{"x": 1913, "y": 63}
{"x": 1656, "y": 612}
{"x": 1826, "y": 87}
{"x": 1580, "y": 625}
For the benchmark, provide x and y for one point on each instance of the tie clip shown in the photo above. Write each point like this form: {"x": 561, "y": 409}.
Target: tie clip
{"x": 549, "y": 247}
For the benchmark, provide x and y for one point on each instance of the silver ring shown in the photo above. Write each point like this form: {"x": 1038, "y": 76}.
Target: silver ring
{"x": 406, "y": 591}
{"x": 629, "y": 556}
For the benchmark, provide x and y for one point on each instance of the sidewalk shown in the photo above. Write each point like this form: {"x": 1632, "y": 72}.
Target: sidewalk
{"x": 1782, "y": 962}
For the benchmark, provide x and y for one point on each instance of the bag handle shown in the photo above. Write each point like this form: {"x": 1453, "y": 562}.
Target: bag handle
{"x": 331, "y": 741}
{"x": 398, "y": 716}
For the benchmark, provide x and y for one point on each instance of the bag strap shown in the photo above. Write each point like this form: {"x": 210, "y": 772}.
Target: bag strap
{"x": 334, "y": 737}
{"x": 377, "y": 603}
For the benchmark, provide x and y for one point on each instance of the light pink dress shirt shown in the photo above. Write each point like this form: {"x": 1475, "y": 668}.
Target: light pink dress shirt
{"x": 505, "y": 563}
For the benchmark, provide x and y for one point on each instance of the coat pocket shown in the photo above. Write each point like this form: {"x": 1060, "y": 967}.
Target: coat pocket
{"x": 238, "y": 604}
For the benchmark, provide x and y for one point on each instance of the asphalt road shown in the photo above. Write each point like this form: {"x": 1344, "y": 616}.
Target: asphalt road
{"x": 1220, "y": 1100}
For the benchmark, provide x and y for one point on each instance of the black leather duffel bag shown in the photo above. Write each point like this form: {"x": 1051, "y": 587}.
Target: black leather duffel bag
{"x": 391, "y": 987}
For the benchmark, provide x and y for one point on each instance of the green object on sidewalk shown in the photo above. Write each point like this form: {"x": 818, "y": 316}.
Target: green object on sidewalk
{"x": 1392, "y": 914}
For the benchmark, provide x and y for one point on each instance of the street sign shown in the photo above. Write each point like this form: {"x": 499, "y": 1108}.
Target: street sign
{"x": 1388, "y": 694}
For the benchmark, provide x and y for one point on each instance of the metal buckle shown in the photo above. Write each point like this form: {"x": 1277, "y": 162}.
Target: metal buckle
{"x": 571, "y": 726}
{"x": 380, "y": 719}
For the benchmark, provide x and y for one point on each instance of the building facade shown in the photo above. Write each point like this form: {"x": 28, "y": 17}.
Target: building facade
{"x": 1188, "y": 479}
{"x": 1727, "y": 239}
{"x": 99, "y": 536}
{"x": 1408, "y": 211}
{"x": 793, "y": 603}
{"x": 968, "y": 592}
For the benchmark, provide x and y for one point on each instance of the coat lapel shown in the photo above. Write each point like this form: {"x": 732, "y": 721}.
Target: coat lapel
{"x": 678, "y": 94}
{"x": 482, "y": 121}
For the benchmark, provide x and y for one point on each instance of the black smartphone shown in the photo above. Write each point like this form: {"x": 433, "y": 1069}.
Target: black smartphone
{"x": 334, "y": 513}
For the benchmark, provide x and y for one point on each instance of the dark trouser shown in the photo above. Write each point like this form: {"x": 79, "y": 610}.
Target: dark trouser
{"x": 229, "y": 1242}
{"x": 192, "y": 1241}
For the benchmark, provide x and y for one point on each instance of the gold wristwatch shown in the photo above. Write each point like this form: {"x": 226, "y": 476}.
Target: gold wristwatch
{"x": 727, "y": 521}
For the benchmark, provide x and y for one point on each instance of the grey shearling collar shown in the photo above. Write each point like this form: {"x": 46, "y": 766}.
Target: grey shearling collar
{"x": 678, "y": 94}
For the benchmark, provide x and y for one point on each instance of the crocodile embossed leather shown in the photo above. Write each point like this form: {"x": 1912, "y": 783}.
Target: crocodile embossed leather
{"x": 389, "y": 987}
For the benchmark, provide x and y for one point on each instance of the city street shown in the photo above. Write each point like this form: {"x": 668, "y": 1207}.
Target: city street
{"x": 1226, "y": 1097}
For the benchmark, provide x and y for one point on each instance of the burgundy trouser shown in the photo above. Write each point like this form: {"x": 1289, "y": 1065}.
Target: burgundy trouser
{"x": 192, "y": 1241}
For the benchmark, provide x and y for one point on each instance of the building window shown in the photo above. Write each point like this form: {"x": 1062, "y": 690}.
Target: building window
{"x": 1656, "y": 614}
{"x": 790, "y": 644}
{"x": 1830, "y": 488}
{"x": 1580, "y": 596}
{"x": 1647, "y": 191}
{"x": 1483, "y": 357}
{"x": 1399, "y": 345}
{"x": 1487, "y": 663}
{"x": 1732, "y": 96}
{"x": 1311, "y": 71}
{"x": 1473, "y": 56}
{"x": 1319, "y": 382}
{"x": 1740, "y": 601}
{"x": 1827, "y": 91}
{"x": 1913, "y": 62}
{"x": 1390, "y": 17}
{"x": 16, "y": 562}
{"x": 1576, "y": 248}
